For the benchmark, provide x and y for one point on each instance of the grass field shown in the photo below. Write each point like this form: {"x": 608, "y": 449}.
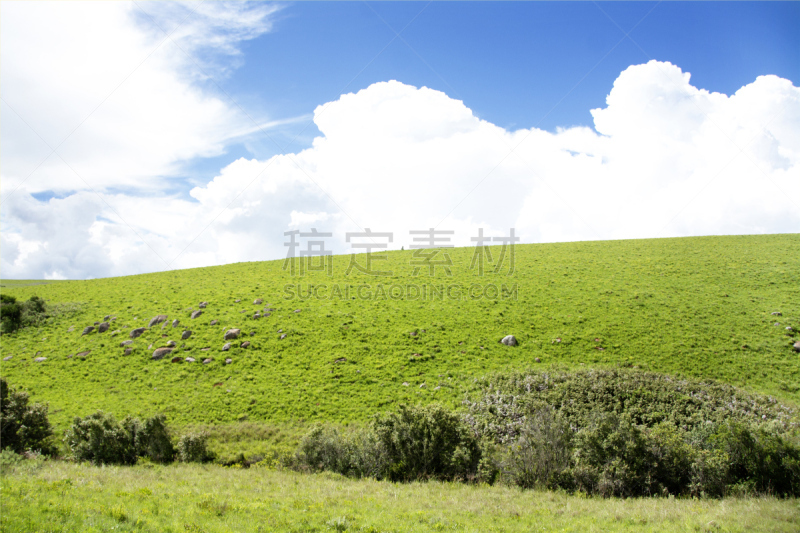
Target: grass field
{"x": 57, "y": 496}
{"x": 695, "y": 306}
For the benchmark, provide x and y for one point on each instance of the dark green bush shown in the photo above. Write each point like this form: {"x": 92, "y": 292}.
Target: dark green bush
{"x": 10, "y": 313}
{"x": 193, "y": 448}
{"x": 760, "y": 460}
{"x": 14, "y": 315}
{"x": 414, "y": 443}
{"x": 427, "y": 443}
{"x": 357, "y": 454}
{"x": 630, "y": 433}
{"x": 541, "y": 453}
{"x": 23, "y": 426}
{"x": 153, "y": 440}
{"x": 99, "y": 438}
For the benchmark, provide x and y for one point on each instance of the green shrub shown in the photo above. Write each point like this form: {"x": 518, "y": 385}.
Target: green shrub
{"x": 193, "y": 448}
{"x": 23, "y": 426}
{"x": 760, "y": 458}
{"x": 99, "y": 438}
{"x": 10, "y": 313}
{"x": 541, "y": 453}
{"x": 153, "y": 440}
{"x": 427, "y": 443}
{"x": 358, "y": 454}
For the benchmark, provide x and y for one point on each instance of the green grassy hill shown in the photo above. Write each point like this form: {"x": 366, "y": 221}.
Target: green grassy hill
{"x": 691, "y": 306}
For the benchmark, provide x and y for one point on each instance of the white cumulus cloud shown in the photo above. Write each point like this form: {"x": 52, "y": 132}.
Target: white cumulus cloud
{"x": 664, "y": 158}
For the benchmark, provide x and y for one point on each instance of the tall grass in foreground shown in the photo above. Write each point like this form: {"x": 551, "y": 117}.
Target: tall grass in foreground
{"x": 49, "y": 496}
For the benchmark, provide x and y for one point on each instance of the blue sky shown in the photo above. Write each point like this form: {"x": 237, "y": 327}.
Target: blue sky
{"x": 142, "y": 136}
{"x": 515, "y": 64}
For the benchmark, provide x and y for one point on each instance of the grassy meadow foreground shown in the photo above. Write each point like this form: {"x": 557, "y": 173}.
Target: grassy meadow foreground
{"x": 58, "y": 496}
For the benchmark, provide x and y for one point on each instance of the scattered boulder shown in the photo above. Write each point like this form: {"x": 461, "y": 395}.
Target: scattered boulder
{"x": 83, "y": 354}
{"x": 258, "y": 301}
{"x": 161, "y": 352}
{"x": 257, "y": 315}
{"x": 214, "y": 322}
{"x": 341, "y": 360}
{"x": 175, "y": 323}
{"x": 538, "y": 360}
{"x": 107, "y": 318}
{"x": 196, "y": 314}
{"x": 405, "y": 384}
{"x": 102, "y": 328}
{"x": 125, "y": 343}
{"x": 97, "y": 323}
{"x": 207, "y": 360}
{"x": 156, "y": 320}
{"x": 236, "y": 301}
{"x": 71, "y": 329}
{"x": 231, "y": 334}
{"x": 185, "y": 335}
{"x": 128, "y": 351}
{"x": 40, "y": 359}
{"x": 789, "y": 328}
{"x": 246, "y": 344}
{"x": 87, "y": 330}
{"x": 797, "y": 346}
{"x": 115, "y": 332}
{"x": 202, "y": 305}
{"x": 7, "y": 358}
{"x": 297, "y": 310}
{"x": 280, "y": 331}
{"x": 113, "y": 318}
{"x": 509, "y": 340}
{"x": 172, "y": 344}
{"x": 228, "y": 361}
{"x": 177, "y": 359}
{"x": 226, "y": 347}
{"x": 283, "y": 336}
{"x": 413, "y": 334}
{"x": 207, "y": 348}
{"x": 136, "y": 332}
{"x": 252, "y": 333}
{"x": 189, "y": 359}
{"x": 777, "y": 313}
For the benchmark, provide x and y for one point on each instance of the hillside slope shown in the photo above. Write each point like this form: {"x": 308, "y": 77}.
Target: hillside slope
{"x": 691, "y": 306}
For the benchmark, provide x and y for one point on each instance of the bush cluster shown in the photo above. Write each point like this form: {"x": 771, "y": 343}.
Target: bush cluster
{"x": 23, "y": 427}
{"x": 630, "y": 433}
{"x": 101, "y": 439}
{"x": 193, "y": 448}
{"x": 414, "y": 443}
{"x": 610, "y": 433}
{"x": 14, "y": 315}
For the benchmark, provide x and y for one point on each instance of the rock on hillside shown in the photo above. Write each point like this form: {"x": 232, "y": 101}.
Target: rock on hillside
{"x": 156, "y": 320}
{"x": 160, "y": 353}
{"x": 137, "y": 332}
{"x": 509, "y": 340}
{"x": 232, "y": 334}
